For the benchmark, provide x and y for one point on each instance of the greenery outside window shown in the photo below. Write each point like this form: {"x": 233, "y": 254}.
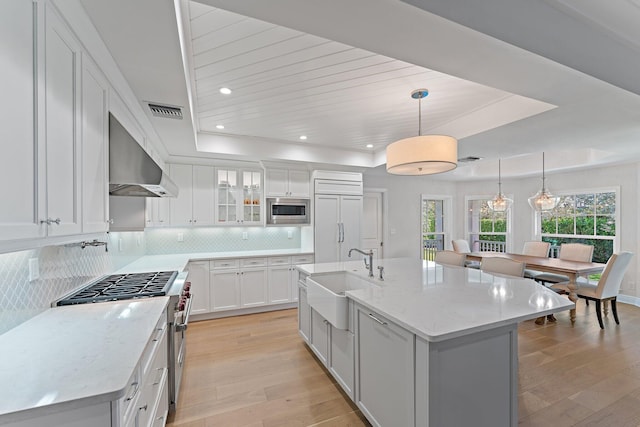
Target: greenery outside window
{"x": 487, "y": 230}
{"x": 585, "y": 217}
{"x": 434, "y": 225}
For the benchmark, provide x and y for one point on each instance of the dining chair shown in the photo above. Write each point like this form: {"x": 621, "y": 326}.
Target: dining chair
{"x": 505, "y": 266}
{"x": 461, "y": 246}
{"x": 539, "y": 249}
{"x": 568, "y": 252}
{"x": 607, "y": 287}
{"x": 450, "y": 258}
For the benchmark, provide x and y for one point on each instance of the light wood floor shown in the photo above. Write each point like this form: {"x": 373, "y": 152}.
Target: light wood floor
{"x": 255, "y": 371}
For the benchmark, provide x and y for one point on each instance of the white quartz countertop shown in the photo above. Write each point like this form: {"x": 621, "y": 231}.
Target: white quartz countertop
{"x": 439, "y": 303}
{"x": 179, "y": 261}
{"x": 73, "y": 355}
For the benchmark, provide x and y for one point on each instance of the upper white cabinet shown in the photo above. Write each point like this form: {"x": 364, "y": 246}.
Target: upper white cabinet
{"x": 18, "y": 138}
{"x": 287, "y": 183}
{"x": 238, "y": 197}
{"x": 157, "y": 211}
{"x": 195, "y": 201}
{"x": 62, "y": 104}
{"x": 95, "y": 125}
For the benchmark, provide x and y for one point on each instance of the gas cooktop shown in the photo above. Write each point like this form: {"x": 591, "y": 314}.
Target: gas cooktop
{"x": 123, "y": 286}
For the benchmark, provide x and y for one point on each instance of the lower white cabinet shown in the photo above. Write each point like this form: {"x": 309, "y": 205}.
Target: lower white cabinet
{"x": 385, "y": 380}
{"x": 253, "y": 287}
{"x": 319, "y": 341}
{"x": 224, "y": 290}
{"x": 304, "y": 313}
{"x": 199, "y": 278}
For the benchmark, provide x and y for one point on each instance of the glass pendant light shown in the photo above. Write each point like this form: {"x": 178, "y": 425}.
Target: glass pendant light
{"x": 500, "y": 203}
{"x": 543, "y": 200}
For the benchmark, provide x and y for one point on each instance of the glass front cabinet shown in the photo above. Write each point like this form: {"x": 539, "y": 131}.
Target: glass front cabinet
{"x": 238, "y": 197}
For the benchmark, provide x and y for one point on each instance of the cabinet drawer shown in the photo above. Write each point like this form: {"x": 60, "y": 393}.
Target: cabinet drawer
{"x": 302, "y": 259}
{"x": 127, "y": 403}
{"x": 224, "y": 263}
{"x": 253, "y": 262}
{"x": 281, "y": 260}
{"x": 157, "y": 344}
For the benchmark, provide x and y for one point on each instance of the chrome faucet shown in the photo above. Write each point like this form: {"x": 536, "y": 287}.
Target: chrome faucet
{"x": 368, "y": 265}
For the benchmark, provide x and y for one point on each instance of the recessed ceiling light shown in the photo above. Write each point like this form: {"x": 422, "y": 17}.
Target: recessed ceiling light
{"x": 219, "y": 126}
{"x": 225, "y": 90}
{"x": 369, "y": 145}
{"x": 303, "y": 137}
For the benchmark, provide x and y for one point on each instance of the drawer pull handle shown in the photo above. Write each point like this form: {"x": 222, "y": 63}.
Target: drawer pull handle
{"x": 143, "y": 408}
{"x": 130, "y": 398}
{"x": 377, "y": 320}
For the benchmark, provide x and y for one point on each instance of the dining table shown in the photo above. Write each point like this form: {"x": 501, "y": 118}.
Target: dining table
{"x": 571, "y": 269}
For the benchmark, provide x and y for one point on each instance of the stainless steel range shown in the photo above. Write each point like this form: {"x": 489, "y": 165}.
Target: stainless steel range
{"x": 148, "y": 285}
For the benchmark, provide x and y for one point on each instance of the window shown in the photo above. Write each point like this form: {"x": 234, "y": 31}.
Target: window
{"x": 487, "y": 230}
{"x": 585, "y": 217}
{"x": 434, "y": 225}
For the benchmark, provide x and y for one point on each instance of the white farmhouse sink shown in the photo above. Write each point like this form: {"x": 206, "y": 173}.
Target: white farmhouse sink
{"x": 326, "y": 295}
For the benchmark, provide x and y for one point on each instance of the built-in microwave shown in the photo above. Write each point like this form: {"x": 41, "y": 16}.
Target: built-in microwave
{"x": 287, "y": 211}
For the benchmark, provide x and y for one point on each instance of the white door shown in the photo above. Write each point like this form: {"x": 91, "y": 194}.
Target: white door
{"x": 253, "y": 287}
{"x": 224, "y": 290}
{"x": 199, "y": 278}
{"x": 351, "y": 219}
{"x": 298, "y": 183}
{"x": 202, "y": 195}
{"x": 279, "y": 284}
{"x": 181, "y": 206}
{"x": 326, "y": 230}
{"x": 372, "y": 223}
{"x": 19, "y": 216}
{"x": 62, "y": 128}
{"x": 95, "y": 126}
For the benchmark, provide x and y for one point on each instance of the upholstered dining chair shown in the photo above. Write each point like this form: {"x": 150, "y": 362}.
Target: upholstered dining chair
{"x": 539, "y": 249}
{"x": 505, "y": 266}
{"x": 461, "y": 246}
{"x": 569, "y": 252}
{"x": 607, "y": 287}
{"x": 450, "y": 258}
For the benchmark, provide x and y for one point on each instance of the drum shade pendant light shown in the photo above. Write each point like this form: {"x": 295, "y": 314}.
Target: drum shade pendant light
{"x": 422, "y": 154}
{"x": 500, "y": 203}
{"x": 543, "y": 200}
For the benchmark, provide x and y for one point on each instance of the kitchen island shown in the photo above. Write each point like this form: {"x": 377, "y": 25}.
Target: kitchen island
{"x": 427, "y": 346}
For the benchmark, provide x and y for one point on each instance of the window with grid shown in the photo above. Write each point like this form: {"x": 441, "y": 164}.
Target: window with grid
{"x": 586, "y": 217}
{"x": 433, "y": 227}
{"x": 487, "y": 230}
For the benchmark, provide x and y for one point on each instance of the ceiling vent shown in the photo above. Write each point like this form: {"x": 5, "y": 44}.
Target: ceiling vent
{"x": 469, "y": 159}
{"x": 166, "y": 111}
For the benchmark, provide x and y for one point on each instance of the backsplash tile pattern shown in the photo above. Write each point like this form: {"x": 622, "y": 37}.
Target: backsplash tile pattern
{"x": 220, "y": 239}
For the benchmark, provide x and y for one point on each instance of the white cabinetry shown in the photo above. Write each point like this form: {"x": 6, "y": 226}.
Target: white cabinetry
{"x": 337, "y": 226}
{"x": 157, "y": 212}
{"x": 19, "y": 168}
{"x": 304, "y": 311}
{"x": 199, "y": 278}
{"x": 385, "y": 380}
{"x": 62, "y": 109}
{"x": 253, "y": 282}
{"x": 195, "y": 201}
{"x": 238, "y": 197}
{"x": 95, "y": 125}
{"x": 238, "y": 283}
{"x": 319, "y": 339}
{"x": 287, "y": 183}
{"x": 283, "y": 278}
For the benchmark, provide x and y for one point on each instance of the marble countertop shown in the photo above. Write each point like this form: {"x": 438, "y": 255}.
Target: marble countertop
{"x": 179, "y": 261}
{"x": 439, "y": 303}
{"x": 73, "y": 355}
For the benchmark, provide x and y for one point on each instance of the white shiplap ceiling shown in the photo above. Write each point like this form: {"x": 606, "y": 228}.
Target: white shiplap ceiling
{"x": 286, "y": 83}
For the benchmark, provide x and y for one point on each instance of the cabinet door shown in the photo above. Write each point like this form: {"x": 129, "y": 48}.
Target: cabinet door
{"x": 304, "y": 315}
{"x": 203, "y": 203}
{"x": 385, "y": 360}
{"x": 95, "y": 127}
{"x": 224, "y": 290}
{"x": 251, "y": 204}
{"x": 157, "y": 211}
{"x": 279, "y": 284}
{"x": 319, "y": 336}
{"x": 226, "y": 196}
{"x": 341, "y": 358}
{"x": 62, "y": 128}
{"x": 276, "y": 180}
{"x": 299, "y": 183}
{"x": 18, "y": 164}
{"x": 199, "y": 278}
{"x": 351, "y": 218}
{"x": 326, "y": 230}
{"x": 294, "y": 276}
{"x": 181, "y": 206}
{"x": 253, "y": 287}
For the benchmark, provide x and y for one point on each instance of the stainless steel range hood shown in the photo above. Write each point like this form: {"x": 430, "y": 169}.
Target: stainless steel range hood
{"x": 132, "y": 172}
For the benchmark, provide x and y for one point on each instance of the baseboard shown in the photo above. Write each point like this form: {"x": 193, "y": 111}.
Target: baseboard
{"x": 240, "y": 312}
{"x": 628, "y": 299}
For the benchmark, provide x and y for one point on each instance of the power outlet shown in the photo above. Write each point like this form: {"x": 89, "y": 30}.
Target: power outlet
{"x": 289, "y": 234}
{"x": 180, "y": 237}
{"x": 34, "y": 269}
{"x": 245, "y": 235}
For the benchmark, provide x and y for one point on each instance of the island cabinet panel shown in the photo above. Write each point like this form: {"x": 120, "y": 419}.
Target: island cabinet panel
{"x": 304, "y": 311}
{"x": 485, "y": 385}
{"x": 341, "y": 362}
{"x": 385, "y": 373}
{"x": 319, "y": 341}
